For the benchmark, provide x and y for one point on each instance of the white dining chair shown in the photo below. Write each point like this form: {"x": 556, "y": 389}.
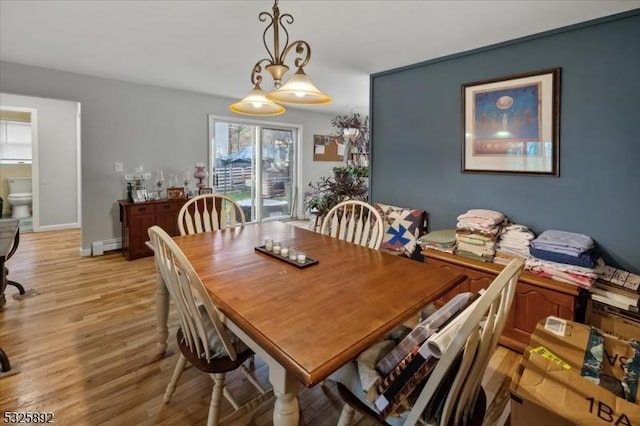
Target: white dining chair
{"x": 203, "y": 339}
{"x": 354, "y": 221}
{"x": 209, "y": 212}
{"x": 461, "y": 357}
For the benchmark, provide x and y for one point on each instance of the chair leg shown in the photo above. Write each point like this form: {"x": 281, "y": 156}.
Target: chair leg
{"x": 246, "y": 373}
{"x": 171, "y": 387}
{"x": 346, "y": 416}
{"x": 229, "y": 396}
{"x": 216, "y": 399}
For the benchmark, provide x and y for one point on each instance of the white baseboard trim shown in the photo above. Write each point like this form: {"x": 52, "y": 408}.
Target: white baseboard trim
{"x": 99, "y": 247}
{"x": 57, "y": 227}
{"x": 112, "y": 244}
{"x": 84, "y": 252}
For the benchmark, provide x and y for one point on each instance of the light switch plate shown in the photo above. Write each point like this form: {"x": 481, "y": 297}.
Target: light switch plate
{"x": 118, "y": 166}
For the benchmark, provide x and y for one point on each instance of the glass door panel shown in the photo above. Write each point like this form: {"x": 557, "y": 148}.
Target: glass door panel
{"x": 264, "y": 189}
{"x": 277, "y": 172}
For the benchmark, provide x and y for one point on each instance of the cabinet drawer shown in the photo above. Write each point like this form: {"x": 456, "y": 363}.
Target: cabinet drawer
{"x": 136, "y": 219}
{"x": 142, "y": 209}
{"x": 168, "y": 207}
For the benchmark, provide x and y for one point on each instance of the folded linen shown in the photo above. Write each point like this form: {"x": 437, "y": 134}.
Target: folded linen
{"x": 586, "y": 260}
{"x": 563, "y": 242}
{"x": 504, "y": 257}
{"x": 471, "y": 239}
{"x": 478, "y": 237}
{"x": 521, "y": 235}
{"x": 532, "y": 263}
{"x": 518, "y": 251}
{"x": 473, "y": 256}
{"x": 466, "y": 228}
{"x": 566, "y": 277}
{"x": 516, "y": 227}
{"x": 442, "y": 236}
{"x": 501, "y": 261}
{"x": 492, "y": 216}
{"x": 515, "y": 241}
{"x": 445, "y": 249}
{"x": 478, "y": 250}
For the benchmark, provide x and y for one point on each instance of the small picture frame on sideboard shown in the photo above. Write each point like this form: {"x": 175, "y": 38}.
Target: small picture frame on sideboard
{"x": 139, "y": 195}
{"x": 175, "y": 193}
{"x": 205, "y": 191}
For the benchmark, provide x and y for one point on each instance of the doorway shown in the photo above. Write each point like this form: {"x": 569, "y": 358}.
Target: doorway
{"x": 55, "y": 160}
{"x": 255, "y": 164}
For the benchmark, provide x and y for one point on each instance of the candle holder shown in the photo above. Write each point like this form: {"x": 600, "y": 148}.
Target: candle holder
{"x": 301, "y": 260}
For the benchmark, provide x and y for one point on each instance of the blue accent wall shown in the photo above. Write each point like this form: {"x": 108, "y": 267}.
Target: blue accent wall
{"x": 416, "y": 128}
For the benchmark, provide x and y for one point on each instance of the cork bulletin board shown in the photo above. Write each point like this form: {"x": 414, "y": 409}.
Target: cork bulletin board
{"x": 328, "y": 148}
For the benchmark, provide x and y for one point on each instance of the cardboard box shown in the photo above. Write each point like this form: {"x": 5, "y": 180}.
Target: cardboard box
{"x": 549, "y": 382}
{"x": 612, "y": 320}
{"x": 527, "y": 413}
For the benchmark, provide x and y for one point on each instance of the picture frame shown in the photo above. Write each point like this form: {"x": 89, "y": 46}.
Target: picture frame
{"x": 511, "y": 124}
{"x": 139, "y": 195}
{"x": 175, "y": 193}
{"x": 205, "y": 191}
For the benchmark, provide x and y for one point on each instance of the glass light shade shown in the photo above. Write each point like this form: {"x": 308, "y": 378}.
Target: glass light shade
{"x": 299, "y": 90}
{"x": 256, "y": 103}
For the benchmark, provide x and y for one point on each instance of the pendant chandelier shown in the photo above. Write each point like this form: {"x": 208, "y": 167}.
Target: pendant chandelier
{"x": 298, "y": 90}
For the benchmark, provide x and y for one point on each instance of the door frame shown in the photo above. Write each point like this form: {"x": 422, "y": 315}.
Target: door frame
{"x": 35, "y": 203}
{"x": 35, "y": 164}
{"x": 296, "y": 195}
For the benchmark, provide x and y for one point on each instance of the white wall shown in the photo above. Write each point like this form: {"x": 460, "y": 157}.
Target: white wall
{"x": 57, "y": 173}
{"x": 139, "y": 124}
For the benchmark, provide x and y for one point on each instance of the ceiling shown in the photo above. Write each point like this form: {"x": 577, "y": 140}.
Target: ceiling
{"x": 211, "y": 46}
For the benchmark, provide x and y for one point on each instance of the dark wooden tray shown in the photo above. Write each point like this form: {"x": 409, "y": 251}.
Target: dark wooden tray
{"x": 308, "y": 262}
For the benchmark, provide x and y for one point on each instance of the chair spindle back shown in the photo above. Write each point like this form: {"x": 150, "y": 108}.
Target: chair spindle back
{"x": 209, "y": 212}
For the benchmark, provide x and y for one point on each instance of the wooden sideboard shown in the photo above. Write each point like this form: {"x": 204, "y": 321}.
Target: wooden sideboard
{"x": 535, "y": 297}
{"x": 136, "y": 218}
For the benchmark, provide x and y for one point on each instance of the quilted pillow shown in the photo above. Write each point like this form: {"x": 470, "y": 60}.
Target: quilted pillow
{"x": 402, "y": 228}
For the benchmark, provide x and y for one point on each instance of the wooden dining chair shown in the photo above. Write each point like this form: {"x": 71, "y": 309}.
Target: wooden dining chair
{"x": 461, "y": 354}
{"x": 203, "y": 339}
{"x": 209, "y": 212}
{"x": 354, "y": 221}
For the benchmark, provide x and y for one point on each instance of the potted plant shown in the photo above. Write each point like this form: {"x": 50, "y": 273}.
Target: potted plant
{"x": 347, "y": 182}
{"x": 354, "y": 128}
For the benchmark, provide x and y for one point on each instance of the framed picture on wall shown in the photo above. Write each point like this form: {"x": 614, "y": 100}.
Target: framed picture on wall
{"x": 512, "y": 124}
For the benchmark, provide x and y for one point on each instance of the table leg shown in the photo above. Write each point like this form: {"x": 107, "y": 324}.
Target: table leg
{"x": 285, "y": 386}
{"x": 162, "y": 314}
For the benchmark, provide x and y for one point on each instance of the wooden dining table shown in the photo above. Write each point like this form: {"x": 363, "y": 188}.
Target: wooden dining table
{"x": 305, "y": 323}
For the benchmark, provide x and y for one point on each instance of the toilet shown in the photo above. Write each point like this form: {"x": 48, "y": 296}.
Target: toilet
{"x": 20, "y": 196}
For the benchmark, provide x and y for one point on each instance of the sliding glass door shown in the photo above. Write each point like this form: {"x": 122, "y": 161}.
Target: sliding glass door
{"x": 255, "y": 164}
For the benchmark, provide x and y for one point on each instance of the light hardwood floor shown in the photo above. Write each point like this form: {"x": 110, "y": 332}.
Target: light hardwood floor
{"x": 84, "y": 348}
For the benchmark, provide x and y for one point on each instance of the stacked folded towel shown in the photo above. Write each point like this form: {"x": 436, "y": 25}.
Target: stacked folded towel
{"x": 565, "y": 256}
{"x": 441, "y": 240}
{"x": 513, "y": 243}
{"x": 476, "y": 233}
